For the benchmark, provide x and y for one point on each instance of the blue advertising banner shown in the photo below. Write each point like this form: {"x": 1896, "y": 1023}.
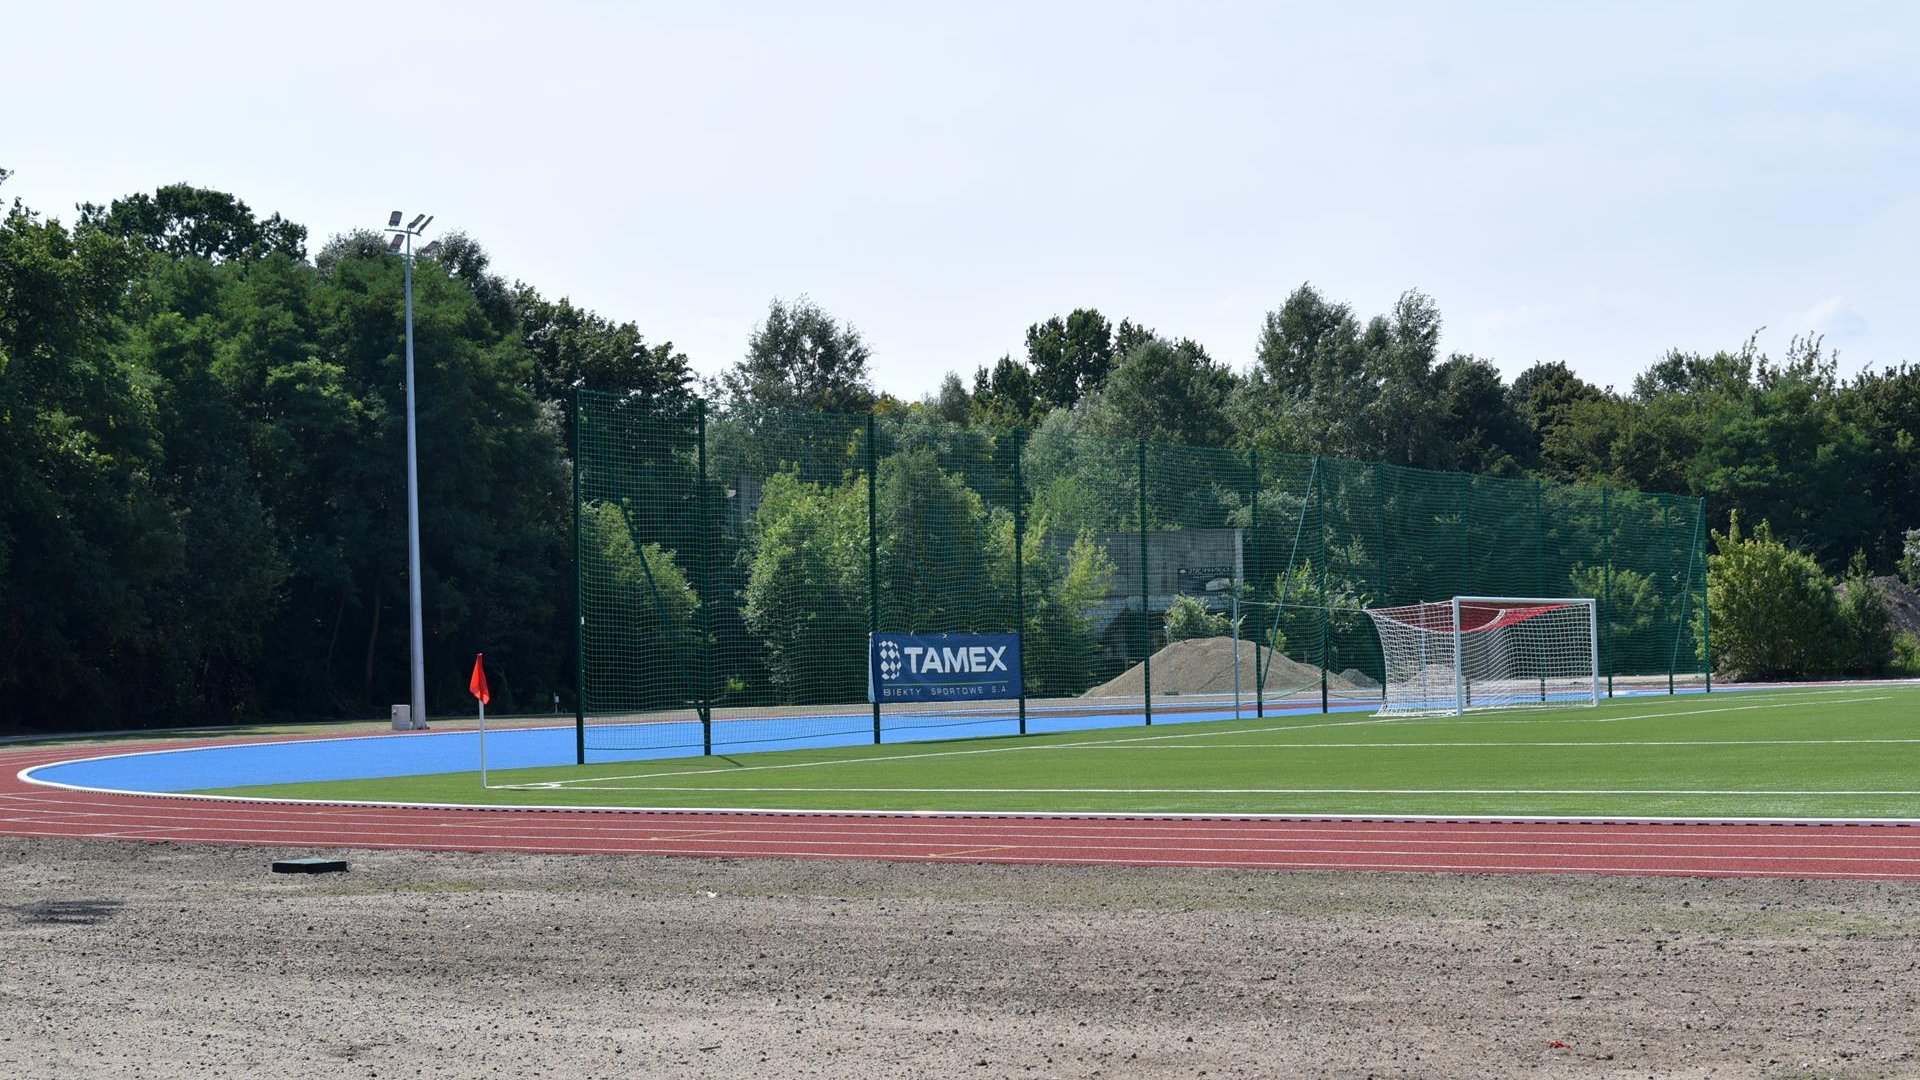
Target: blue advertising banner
{"x": 942, "y": 667}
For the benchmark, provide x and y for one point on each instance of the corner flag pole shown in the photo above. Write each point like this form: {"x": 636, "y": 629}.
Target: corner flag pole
{"x": 477, "y": 686}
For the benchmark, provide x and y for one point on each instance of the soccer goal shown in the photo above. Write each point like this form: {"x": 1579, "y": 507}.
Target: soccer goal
{"x": 1489, "y": 652}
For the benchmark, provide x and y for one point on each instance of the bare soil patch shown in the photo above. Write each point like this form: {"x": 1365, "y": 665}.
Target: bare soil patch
{"x": 129, "y": 959}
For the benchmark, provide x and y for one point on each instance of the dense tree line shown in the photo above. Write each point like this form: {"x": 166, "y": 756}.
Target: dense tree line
{"x": 201, "y": 466}
{"x": 202, "y": 512}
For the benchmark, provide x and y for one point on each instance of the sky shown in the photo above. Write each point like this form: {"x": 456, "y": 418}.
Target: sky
{"x": 1591, "y": 183}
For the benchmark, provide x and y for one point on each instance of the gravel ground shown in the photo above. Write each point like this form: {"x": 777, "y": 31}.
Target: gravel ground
{"x": 129, "y": 959}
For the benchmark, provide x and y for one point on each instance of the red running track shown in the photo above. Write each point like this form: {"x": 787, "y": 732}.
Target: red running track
{"x": 1885, "y": 852}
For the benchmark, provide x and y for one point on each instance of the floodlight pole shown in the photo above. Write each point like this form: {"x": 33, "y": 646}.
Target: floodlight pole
{"x": 416, "y": 635}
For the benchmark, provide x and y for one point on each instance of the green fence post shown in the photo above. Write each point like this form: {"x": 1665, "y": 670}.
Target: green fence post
{"x": 703, "y": 523}
{"x": 1326, "y": 611}
{"x": 1541, "y": 586}
{"x": 1606, "y": 584}
{"x": 1253, "y": 545}
{"x": 1673, "y": 654}
{"x": 1019, "y": 568}
{"x": 873, "y": 559}
{"x": 579, "y": 603}
{"x": 1706, "y": 597}
{"x": 1146, "y": 626}
{"x": 1382, "y": 595}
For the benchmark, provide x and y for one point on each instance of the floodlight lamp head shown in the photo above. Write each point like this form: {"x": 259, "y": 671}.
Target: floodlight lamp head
{"x": 393, "y": 219}
{"x": 431, "y": 249}
{"x": 414, "y": 225}
{"x": 424, "y": 224}
{"x": 394, "y": 244}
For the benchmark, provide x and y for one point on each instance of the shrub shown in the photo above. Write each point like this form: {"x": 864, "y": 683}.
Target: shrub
{"x": 1187, "y": 617}
{"x": 1774, "y": 612}
{"x": 1866, "y": 630}
{"x": 1906, "y": 655}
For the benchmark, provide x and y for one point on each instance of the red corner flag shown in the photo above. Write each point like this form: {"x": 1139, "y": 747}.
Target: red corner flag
{"x": 477, "y": 686}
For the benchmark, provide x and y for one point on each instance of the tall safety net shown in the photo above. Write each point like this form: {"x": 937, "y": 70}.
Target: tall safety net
{"x": 1488, "y": 653}
{"x": 732, "y": 563}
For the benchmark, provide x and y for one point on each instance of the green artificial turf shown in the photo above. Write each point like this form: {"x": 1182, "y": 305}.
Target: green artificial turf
{"x": 1828, "y": 752}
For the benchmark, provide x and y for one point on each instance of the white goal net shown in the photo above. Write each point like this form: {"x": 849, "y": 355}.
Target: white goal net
{"x": 1488, "y": 652}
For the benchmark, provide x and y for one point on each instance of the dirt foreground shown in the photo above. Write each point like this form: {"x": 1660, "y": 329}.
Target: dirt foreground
{"x": 134, "y": 959}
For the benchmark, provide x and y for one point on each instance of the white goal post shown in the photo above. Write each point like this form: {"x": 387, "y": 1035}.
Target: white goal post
{"x": 1489, "y": 652}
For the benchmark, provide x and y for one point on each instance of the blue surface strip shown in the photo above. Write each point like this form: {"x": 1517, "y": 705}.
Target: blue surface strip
{"x": 426, "y": 753}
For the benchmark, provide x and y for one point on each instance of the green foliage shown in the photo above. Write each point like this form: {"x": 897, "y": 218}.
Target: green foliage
{"x": 1542, "y": 395}
{"x": 933, "y": 550}
{"x": 1774, "y": 614}
{"x": 1906, "y": 656}
{"x": 1187, "y": 618}
{"x": 201, "y": 438}
{"x": 647, "y": 607}
{"x": 1062, "y": 589}
{"x": 1166, "y": 392}
{"x": 1324, "y": 383}
{"x": 1005, "y": 395}
{"x": 575, "y": 349}
{"x": 1631, "y": 609}
{"x": 1782, "y": 442}
{"x": 1480, "y": 430}
{"x": 1069, "y": 357}
{"x": 806, "y": 592}
{"x": 183, "y": 220}
{"x": 1316, "y": 617}
{"x": 202, "y": 506}
{"x": 1866, "y": 630}
{"x": 946, "y": 566}
{"x": 801, "y": 357}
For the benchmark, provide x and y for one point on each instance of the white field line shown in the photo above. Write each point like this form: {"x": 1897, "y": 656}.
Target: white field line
{"x": 732, "y": 789}
{"x": 735, "y": 770}
{"x": 1428, "y": 745}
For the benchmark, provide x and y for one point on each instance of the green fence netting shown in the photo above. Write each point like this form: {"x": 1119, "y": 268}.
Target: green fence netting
{"x": 732, "y": 563}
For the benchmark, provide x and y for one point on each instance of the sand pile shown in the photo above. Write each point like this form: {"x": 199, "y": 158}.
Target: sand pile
{"x": 1205, "y": 666}
{"x": 1903, "y": 604}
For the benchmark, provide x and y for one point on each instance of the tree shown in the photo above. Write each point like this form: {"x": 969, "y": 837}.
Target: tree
{"x": 181, "y": 220}
{"x": 1069, "y": 357}
{"x": 1065, "y": 585}
{"x": 576, "y": 349}
{"x": 801, "y": 358}
{"x": 1307, "y": 388}
{"x": 1773, "y": 610}
{"x": 1324, "y": 384}
{"x": 1542, "y": 395}
{"x": 1401, "y": 408}
{"x": 1866, "y": 630}
{"x": 806, "y": 591}
{"x": 1165, "y": 392}
{"x": 951, "y": 403}
{"x": 645, "y": 629}
{"x": 934, "y": 556}
{"x": 1479, "y": 429}
{"x": 1005, "y": 395}
{"x": 1910, "y": 557}
{"x": 1630, "y": 611}
{"x": 85, "y": 532}
{"x": 1884, "y": 408}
